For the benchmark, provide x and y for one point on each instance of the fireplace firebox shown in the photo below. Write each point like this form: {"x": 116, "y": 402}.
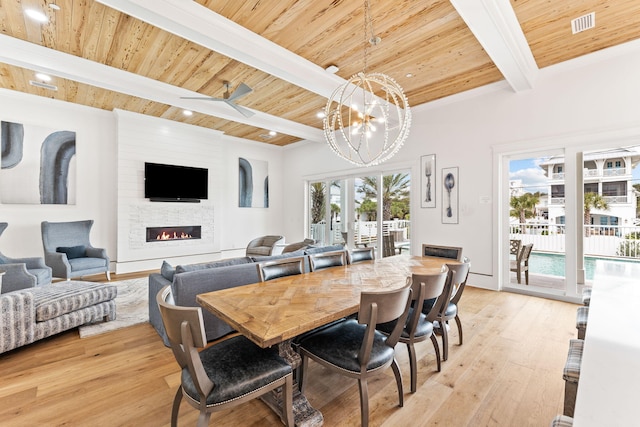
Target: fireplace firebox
{"x": 163, "y": 234}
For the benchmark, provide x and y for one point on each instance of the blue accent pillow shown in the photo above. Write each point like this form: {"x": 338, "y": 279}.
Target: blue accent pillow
{"x": 72, "y": 251}
{"x": 167, "y": 271}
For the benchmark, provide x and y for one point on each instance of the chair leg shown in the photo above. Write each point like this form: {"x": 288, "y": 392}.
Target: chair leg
{"x": 445, "y": 340}
{"x": 108, "y": 273}
{"x": 459, "y": 323}
{"x": 396, "y": 371}
{"x": 519, "y": 276}
{"x": 301, "y": 369}
{"x": 436, "y": 347}
{"x": 203, "y": 419}
{"x": 364, "y": 402}
{"x": 413, "y": 367}
{"x": 526, "y": 276}
{"x": 287, "y": 410}
{"x": 176, "y": 407}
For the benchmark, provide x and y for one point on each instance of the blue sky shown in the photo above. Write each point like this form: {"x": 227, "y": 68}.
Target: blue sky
{"x": 533, "y": 179}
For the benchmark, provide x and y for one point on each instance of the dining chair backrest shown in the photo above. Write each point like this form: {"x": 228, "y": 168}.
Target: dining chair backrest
{"x": 451, "y": 252}
{"x": 324, "y": 260}
{"x": 269, "y": 270}
{"x": 185, "y": 331}
{"x": 442, "y": 301}
{"x": 361, "y": 254}
{"x": 459, "y": 280}
{"x": 381, "y": 307}
{"x": 424, "y": 287}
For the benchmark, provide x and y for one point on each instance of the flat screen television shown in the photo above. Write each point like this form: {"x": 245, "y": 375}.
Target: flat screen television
{"x": 173, "y": 183}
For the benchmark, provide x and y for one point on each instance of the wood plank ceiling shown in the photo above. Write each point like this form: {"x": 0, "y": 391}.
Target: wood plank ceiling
{"x": 427, "y": 39}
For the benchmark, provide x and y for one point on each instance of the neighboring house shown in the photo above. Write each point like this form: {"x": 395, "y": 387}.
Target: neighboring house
{"x": 608, "y": 173}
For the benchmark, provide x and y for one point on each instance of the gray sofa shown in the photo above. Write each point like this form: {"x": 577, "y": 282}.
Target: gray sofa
{"x": 187, "y": 281}
{"x": 32, "y": 314}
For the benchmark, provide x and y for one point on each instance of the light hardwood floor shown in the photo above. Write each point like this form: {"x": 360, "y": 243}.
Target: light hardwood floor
{"x": 508, "y": 372}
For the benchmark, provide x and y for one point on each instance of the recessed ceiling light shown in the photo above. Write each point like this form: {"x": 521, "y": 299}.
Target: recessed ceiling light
{"x": 54, "y": 6}
{"x": 320, "y": 115}
{"x": 36, "y": 15}
{"x": 332, "y": 69}
{"x": 273, "y": 133}
{"x": 43, "y": 77}
{"x": 187, "y": 112}
{"x": 409, "y": 75}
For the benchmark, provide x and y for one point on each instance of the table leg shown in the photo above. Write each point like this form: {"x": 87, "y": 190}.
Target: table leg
{"x": 304, "y": 414}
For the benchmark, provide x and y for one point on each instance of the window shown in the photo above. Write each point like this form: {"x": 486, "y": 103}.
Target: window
{"x": 560, "y": 169}
{"x": 557, "y": 191}
{"x": 618, "y": 164}
{"x": 614, "y": 188}
{"x": 591, "y": 188}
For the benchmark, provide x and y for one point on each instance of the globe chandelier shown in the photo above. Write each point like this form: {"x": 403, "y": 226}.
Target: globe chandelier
{"x": 367, "y": 119}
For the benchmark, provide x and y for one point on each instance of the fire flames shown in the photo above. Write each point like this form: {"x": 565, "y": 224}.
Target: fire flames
{"x": 173, "y": 236}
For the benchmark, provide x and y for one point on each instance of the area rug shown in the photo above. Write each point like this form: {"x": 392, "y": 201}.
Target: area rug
{"x": 131, "y": 308}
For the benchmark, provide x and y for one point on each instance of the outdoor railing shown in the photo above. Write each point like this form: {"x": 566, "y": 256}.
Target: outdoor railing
{"x": 599, "y": 240}
{"x": 364, "y": 232}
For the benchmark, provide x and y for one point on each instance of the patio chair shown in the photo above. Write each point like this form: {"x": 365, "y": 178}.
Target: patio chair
{"x": 521, "y": 263}
{"x": 388, "y": 245}
{"x": 212, "y": 380}
{"x": 514, "y": 246}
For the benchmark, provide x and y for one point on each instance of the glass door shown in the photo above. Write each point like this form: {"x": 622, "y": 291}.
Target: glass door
{"x": 537, "y": 224}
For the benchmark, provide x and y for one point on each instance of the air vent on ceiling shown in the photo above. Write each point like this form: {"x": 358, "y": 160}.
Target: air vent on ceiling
{"x": 43, "y": 85}
{"x": 583, "y": 23}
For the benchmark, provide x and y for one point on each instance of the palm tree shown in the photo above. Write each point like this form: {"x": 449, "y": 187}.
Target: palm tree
{"x": 523, "y": 207}
{"x": 394, "y": 187}
{"x": 318, "y": 200}
{"x": 592, "y": 201}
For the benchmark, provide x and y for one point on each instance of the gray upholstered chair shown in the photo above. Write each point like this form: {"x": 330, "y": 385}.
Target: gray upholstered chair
{"x": 439, "y": 251}
{"x": 21, "y": 273}
{"x": 355, "y": 348}
{"x": 68, "y": 251}
{"x": 262, "y": 246}
{"x": 292, "y": 247}
{"x": 225, "y": 374}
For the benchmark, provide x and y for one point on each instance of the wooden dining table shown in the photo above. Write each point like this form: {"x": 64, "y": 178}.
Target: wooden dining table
{"x": 275, "y": 312}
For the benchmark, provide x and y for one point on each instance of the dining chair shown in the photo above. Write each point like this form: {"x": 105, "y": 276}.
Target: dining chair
{"x": 417, "y": 328}
{"x": 445, "y": 307}
{"x": 322, "y": 260}
{"x": 361, "y": 254}
{"x": 280, "y": 268}
{"x": 521, "y": 263}
{"x": 225, "y": 374}
{"x": 355, "y": 348}
{"x": 439, "y": 251}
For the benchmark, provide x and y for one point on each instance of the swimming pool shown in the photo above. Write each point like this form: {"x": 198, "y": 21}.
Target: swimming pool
{"x": 553, "y": 264}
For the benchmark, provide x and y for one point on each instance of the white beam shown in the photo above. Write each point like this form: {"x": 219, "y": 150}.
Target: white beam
{"x": 196, "y": 23}
{"x": 38, "y": 58}
{"x": 495, "y": 25}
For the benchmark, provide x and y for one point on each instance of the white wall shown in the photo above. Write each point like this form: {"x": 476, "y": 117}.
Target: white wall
{"x": 569, "y": 104}
{"x": 111, "y": 149}
{"x": 96, "y": 174}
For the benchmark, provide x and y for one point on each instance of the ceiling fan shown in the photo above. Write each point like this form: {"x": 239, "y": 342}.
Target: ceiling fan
{"x": 230, "y": 99}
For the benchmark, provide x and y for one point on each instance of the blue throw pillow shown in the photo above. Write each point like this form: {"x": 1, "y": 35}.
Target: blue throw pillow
{"x": 72, "y": 251}
{"x": 167, "y": 271}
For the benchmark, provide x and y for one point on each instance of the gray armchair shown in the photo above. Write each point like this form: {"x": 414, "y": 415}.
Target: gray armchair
{"x": 21, "y": 273}
{"x": 262, "y": 246}
{"x": 68, "y": 251}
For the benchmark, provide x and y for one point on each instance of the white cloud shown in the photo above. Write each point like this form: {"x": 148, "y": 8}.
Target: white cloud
{"x": 533, "y": 179}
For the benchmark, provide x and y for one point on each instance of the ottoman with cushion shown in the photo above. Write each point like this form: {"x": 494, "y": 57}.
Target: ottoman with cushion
{"x": 32, "y": 314}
